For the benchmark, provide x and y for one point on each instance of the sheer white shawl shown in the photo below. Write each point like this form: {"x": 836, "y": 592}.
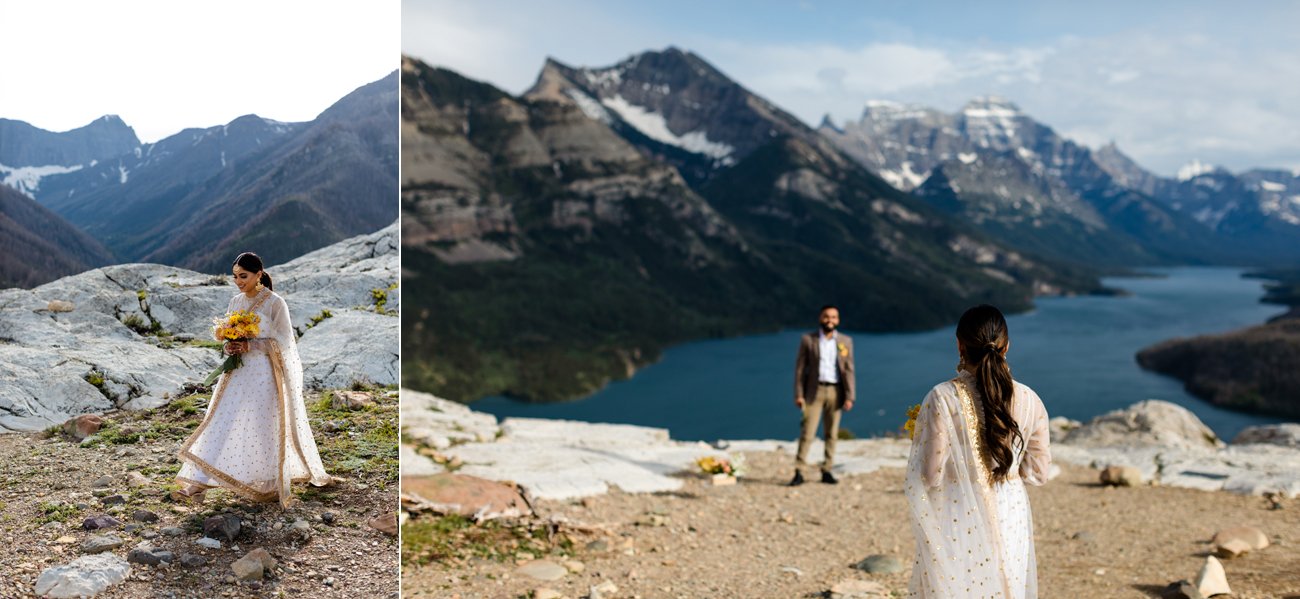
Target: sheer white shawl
{"x": 959, "y": 552}
{"x": 296, "y": 457}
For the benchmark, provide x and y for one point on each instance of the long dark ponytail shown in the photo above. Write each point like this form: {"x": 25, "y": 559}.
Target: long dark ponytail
{"x": 982, "y": 332}
{"x": 252, "y": 263}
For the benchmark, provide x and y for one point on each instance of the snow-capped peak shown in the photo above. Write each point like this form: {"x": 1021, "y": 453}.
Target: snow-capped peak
{"x": 991, "y": 107}
{"x": 887, "y": 110}
{"x": 1194, "y": 169}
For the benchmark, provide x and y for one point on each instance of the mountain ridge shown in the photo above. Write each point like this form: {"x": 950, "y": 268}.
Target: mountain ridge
{"x": 621, "y": 244}
{"x": 197, "y": 196}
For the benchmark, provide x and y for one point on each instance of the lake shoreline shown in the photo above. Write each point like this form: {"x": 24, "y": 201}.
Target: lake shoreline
{"x": 739, "y": 388}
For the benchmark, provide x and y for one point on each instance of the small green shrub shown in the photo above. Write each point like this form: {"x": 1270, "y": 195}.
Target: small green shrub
{"x": 56, "y": 512}
{"x": 319, "y": 318}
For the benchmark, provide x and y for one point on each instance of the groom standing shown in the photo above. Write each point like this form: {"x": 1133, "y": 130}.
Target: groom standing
{"x": 823, "y": 384}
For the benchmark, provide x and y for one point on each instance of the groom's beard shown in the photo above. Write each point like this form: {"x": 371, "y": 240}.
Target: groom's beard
{"x": 827, "y": 328}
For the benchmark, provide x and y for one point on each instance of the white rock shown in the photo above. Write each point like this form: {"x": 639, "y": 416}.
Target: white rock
{"x": 1061, "y": 426}
{"x": 437, "y": 422}
{"x": 86, "y": 576}
{"x": 1148, "y": 423}
{"x": 604, "y": 590}
{"x": 414, "y": 464}
{"x": 1212, "y": 580}
{"x": 208, "y": 542}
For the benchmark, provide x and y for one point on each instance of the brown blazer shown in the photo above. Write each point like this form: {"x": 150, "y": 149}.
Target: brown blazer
{"x": 806, "y": 366}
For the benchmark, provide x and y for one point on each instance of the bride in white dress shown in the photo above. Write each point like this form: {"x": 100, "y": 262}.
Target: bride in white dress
{"x": 255, "y": 439}
{"x": 979, "y": 439}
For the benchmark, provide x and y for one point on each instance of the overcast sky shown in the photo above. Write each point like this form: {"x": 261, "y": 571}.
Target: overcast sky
{"x": 167, "y": 65}
{"x": 1168, "y": 81}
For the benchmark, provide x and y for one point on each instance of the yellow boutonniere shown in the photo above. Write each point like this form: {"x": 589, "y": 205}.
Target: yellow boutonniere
{"x": 844, "y": 351}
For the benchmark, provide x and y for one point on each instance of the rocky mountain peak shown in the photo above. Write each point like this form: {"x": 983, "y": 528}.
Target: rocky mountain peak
{"x": 1196, "y": 168}
{"x": 827, "y": 123}
{"x": 24, "y": 145}
{"x": 886, "y": 111}
{"x": 984, "y": 106}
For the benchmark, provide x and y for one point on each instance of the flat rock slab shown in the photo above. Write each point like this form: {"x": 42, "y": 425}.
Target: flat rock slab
{"x": 558, "y": 460}
{"x": 85, "y": 576}
{"x": 452, "y": 493}
{"x": 48, "y": 355}
{"x": 102, "y": 543}
{"x": 542, "y": 570}
{"x": 439, "y": 423}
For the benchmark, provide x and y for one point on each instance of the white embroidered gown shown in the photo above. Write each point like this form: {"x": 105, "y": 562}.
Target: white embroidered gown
{"x": 973, "y": 538}
{"x": 255, "y": 438}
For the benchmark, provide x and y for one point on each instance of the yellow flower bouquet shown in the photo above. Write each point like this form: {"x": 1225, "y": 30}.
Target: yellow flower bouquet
{"x": 910, "y": 425}
{"x": 240, "y": 325}
{"x": 722, "y": 470}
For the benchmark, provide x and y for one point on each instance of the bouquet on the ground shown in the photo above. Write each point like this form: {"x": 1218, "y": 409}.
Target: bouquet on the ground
{"x": 715, "y": 465}
{"x": 910, "y": 425}
{"x": 240, "y": 325}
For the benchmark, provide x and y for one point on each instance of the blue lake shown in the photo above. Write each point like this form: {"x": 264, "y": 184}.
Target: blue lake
{"x": 1077, "y": 353}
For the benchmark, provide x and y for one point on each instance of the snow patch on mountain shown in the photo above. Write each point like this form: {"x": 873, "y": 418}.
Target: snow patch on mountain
{"x": 654, "y": 126}
{"x": 1211, "y": 217}
{"x": 905, "y": 178}
{"x": 1271, "y": 186}
{"x": 894, "y": 111}
{"x": 991, "y": 121}
{"x": 1194, "y": 169}
{"x": 589, "y": 106}
{"x": 27, "y": 179}
{"x": 604, "y": 78}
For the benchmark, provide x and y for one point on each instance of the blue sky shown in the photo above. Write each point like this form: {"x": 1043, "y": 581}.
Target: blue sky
{"x": 1168, "y": 81}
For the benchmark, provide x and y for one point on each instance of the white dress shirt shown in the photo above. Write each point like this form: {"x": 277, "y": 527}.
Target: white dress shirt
{"x": 829, "y": 352}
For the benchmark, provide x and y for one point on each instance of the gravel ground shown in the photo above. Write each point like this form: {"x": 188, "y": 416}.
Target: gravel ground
{"x": 760, "y": 538}
{"x": 344, "y": 556}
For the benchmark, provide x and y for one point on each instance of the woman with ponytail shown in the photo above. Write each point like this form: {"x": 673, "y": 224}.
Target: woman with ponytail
{"x": 255, "y": 439}
{"x": 979, "y": 438}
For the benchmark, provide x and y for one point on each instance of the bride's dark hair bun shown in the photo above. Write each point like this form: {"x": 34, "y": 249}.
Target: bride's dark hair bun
{"x": 253, "y": 263}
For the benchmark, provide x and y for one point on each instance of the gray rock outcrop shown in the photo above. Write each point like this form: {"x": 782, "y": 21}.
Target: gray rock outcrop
{"x": 1286, "y": 434}
{"x": 1147, "y": 423}
{"x": 126, "y": 344}
{"x": 555, "y": 459}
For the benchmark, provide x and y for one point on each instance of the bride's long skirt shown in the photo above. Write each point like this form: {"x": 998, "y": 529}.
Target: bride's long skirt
{"x": 243, "y": 443}
{"x": 1016, "y": 528}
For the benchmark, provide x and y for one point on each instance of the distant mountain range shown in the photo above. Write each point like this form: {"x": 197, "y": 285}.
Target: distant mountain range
{"x": 559, "y": 239}
{"x": 201, "y": 196}
{"x": 1028, "y": 186}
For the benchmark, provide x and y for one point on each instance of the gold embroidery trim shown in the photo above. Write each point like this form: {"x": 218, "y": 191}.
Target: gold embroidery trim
{"x": 974, "y": 424}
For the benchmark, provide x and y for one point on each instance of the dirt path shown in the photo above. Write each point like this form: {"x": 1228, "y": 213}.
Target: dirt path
{"x": 49, "y": 488}
{"x": 762, "y": 539}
